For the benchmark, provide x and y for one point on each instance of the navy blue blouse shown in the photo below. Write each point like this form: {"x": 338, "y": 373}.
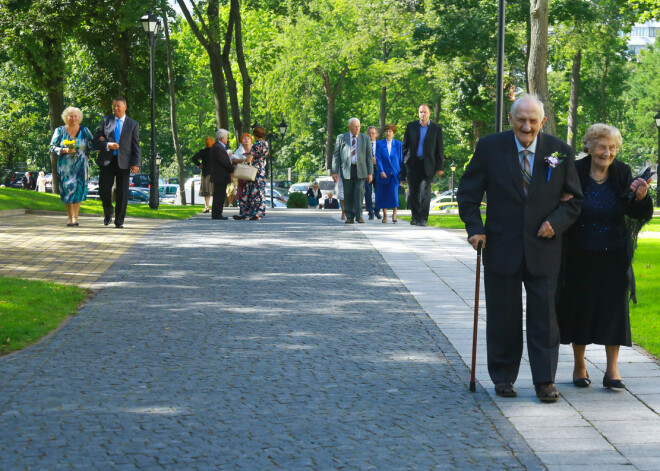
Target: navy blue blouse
{"x": 600, "y": 226}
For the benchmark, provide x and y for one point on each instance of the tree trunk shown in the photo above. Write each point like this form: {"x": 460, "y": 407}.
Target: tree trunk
{"x": 383, "y": 110}
{"x": 478, "y": 130}
{"x": 229, "y": 74}
{"x": 538, "y": 59}
{"x": 173, "y": 120}
{"x": 245, "y": 76}
{"x": 330, "y": 95}
{"x": 571, "y": 137}
{"x": 602, "y": 108}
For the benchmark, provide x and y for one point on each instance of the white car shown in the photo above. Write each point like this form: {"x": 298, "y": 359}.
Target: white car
{"x": 195, "y": 182}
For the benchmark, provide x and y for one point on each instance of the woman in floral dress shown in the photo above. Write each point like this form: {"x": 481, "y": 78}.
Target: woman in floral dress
{"x": 253, "y": 200}
{"x": 72, "y": 143}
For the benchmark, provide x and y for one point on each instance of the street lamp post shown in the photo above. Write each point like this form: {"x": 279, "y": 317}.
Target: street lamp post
{"x": 453, "y": 169}
{"x": 151, "y": 23}
{"x": 282, "y": 127}
{"x": 657, "y": 179}
{"x": 499, "y": 101}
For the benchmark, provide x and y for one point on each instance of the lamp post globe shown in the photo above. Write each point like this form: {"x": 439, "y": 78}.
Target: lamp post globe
{"x": 151, "y": 24}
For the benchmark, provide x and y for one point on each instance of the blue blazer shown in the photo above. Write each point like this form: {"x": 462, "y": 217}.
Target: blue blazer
{"x": 389, "y": 163}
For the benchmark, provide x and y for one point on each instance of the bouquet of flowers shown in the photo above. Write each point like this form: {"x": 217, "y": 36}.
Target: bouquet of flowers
{"x": 70, "y": 144}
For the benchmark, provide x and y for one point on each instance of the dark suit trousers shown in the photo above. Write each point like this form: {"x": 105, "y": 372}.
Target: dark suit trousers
{"x": 504, "y": 329}
{"x": 107, "y": 177}
{"x": 219, "y": 195}
{"x": 419, "y": 189}
{"x": 369, "y": 189}
{"x": 353, "y": 194}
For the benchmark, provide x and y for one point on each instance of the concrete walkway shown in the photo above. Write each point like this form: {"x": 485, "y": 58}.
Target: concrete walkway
{"x": 298, "y": 342}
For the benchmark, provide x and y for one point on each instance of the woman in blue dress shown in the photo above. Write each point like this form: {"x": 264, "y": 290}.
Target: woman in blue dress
{"x": 72, "y": 143}
{"x": 389, "y": 159}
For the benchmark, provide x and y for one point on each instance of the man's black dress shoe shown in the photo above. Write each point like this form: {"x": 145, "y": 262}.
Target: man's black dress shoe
{"x": 546, "y": 392}
{"x": 371, "y": 217}
{"x": 221, "y": 218}
{"x": 238, "y": 217}
{"x": 413, "y": 222}
{"x": 349, "y": 221}
{"x": 378, "y": 216}
{"x": 360, "y": 220}
{"x": 107, "y": 220}
{"x": 613, "y": 383}
{"x": 505, "y": 390}
{"x": 422, "y": 223}
{"x": 119, "y": 226}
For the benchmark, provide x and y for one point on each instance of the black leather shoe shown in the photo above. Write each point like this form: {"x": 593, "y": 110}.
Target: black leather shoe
{"x": 119, "y": 226}
{"x": 613, "y": 383}
{"x": 221, "y": 218}
{"x": 422, "y": 223}
{"x": 238, "y": 217}
{"x": 378, "y": 216}
{"x": 371, "y": 217}
{"x": 546, "y": 392}
{"x": 505, "y": 390}
{"x": 581, "y": 382}
{"x": 107, "y": 220}
{"x": 360, "y": 220}
{"x": 413, "y": 222}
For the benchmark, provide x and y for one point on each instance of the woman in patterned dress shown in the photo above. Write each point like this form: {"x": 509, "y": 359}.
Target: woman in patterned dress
{"x": 72, "y": 143}
{"x": 253, "y": 200}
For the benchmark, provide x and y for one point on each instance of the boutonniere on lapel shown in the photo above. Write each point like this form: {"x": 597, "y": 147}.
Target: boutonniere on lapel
{"x": 553, "y": 160}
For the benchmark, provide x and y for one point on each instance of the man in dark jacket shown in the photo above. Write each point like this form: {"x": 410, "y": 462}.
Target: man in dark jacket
{"x": 524, "y": 222}
{"x": 221, "y": 170}
{"x": 27, "y": 182}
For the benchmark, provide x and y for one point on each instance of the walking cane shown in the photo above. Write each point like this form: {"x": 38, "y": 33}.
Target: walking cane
{"x": 473, "y": 387}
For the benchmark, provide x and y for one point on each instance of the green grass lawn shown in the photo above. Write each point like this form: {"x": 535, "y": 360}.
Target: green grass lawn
{"x": 30, "y": 309}
{"x": 645, "y": 315}
{"x": 446, "y": 221}
{"x": 11, "y": 198}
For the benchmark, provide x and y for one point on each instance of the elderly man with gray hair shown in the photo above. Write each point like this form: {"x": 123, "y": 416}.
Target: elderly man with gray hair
{"x": 525, "y": 174}
{"x": 221, "y": 170}
{"x": 353, "y": 156}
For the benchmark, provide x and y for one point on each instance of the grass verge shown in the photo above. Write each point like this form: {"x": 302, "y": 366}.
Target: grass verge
{"x": 30, "y": 309}
{"x": 11, "y": 198}
{"x": 645, "y": 315}
{"x": 445, "y": 221}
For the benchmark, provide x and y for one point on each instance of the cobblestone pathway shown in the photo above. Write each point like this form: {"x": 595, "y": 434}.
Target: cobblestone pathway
{"x": 284, "y": 344}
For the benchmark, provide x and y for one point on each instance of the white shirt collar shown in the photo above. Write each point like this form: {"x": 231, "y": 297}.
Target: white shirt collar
{"x": 531, "y": 148}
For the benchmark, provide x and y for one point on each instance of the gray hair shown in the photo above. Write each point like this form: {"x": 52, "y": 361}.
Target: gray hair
{"x": 352, "y": 120}
{"x": 221, "y": 134}
{"x": 528, "y": 96}
{"x": 71, "y": 110}
{"x": 600, "y": 131}
{"x": 372, "y": 127}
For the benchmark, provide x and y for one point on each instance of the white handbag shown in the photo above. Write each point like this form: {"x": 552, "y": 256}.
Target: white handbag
{"x": 245, "y": 172}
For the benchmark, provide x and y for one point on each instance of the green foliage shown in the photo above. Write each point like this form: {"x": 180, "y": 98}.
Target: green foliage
{"x": 296, "y": 200}
{"x": 645, "y": 315}
{"x": 31, "y": 309}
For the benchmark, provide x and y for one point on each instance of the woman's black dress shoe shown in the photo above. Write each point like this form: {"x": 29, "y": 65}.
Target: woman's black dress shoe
{"x": 581, "y": 382}
{"x": 613, "y": 383}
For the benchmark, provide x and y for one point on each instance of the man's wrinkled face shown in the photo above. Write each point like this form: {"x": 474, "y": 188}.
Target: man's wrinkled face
{"x": 119, "y": 108}
{"x": 527, "y": 121}
{"x": 354, "y": 127}
{"x": 373, "y": 134}
{"x": 424, "y": 114}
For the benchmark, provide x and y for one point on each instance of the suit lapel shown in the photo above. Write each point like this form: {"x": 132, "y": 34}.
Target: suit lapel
{"x": 538, "y": 174}
{"x": 512, "y": 162}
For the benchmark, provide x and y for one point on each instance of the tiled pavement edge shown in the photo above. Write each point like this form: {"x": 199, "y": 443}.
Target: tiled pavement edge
{"x": 42, "y": 247}
{"x": 284, "y": 344}
{"x": 592, "y": 428}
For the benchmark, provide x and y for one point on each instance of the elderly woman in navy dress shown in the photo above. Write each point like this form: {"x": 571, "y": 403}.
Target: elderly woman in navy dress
{"x": 389, "y": 159}
{"x": 72, "y": 143}
{"x": 593, "y": 293}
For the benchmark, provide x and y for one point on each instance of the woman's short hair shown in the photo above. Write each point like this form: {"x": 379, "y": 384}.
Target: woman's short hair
{"x": 245, "y": 134}
{"x": 390, "y": 127}
{"x": 71, "y": 110}
{"x": 221, "y": 134}
{"x": 209, "y": 142}
{"x": 600, "y": 131}
{"x": 259, "y": 132}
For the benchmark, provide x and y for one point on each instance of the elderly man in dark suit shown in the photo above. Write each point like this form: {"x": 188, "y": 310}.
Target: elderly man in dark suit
{"x": 118, "y": 139}
{"x": 28, "y": 182}
{"x": 423, "y": 156}
{"x": 525, "y": 218}
{"x": 221, "y": 170}
{"x": 353, "y": 156}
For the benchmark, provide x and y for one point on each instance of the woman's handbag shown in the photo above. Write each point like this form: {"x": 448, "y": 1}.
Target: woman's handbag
{"x": 245, "y": 172}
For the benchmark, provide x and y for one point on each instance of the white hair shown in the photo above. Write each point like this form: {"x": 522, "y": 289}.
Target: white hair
{"x": 221, "y": 134}
{"x": 352, "y": 120}
{"x": 528, "y": 96}
{"x": 71, "y": 110}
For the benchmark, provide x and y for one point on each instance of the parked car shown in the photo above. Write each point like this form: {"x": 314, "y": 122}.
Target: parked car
{"x": 49, "y": 182}
{"x": 16, "y": 179}
{"x": 276, "y": 203}
{"x": 173, "y": 181}
{"x": 138, "y": 195}
{"x": 276, "y": 196}
{"x": 196, "y": 181}
{"x": 140, "y": 180}
{"x": 326, "y": 185}
{"x": 168, "y": 193}
{"x": 299, "y": 188}
{"x": 445, "y": 205}
{"x": 92, "y": 184}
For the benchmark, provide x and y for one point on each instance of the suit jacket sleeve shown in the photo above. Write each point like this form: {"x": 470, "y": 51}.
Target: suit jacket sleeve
{"x": 567, "y": 212}
{"x": 136, "y": 151}
{"x": 100, "y": 133}
{"x": 471, "y": 190}
{"x": 405, "y": 146}
{"x": 439, "y": 150}
{"x": 336, "y": 155}
{"x": 220, "y": 157}
{"x": 368, "y": 155}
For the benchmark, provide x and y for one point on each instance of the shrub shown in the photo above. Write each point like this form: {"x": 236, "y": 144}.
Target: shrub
{"x": 297, "y": 200}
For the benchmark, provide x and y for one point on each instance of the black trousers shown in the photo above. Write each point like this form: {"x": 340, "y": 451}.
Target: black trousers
{"x": 504, "y": 328}
{"x": 107, "y": 177}
{"x": 419, "y": 189}
{"x": 219, "y": 195}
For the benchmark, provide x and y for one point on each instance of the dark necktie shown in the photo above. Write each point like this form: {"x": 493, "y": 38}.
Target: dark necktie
{"x": 526, "y": 171}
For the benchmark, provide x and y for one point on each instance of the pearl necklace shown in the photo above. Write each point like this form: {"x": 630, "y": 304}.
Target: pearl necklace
{"x": 599, "y": 180}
